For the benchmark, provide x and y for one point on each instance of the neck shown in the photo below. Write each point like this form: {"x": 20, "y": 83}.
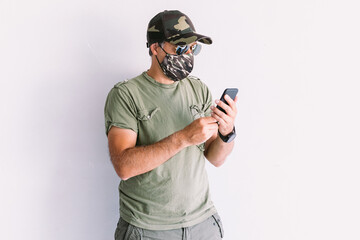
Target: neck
{"x": 156, "y": 73}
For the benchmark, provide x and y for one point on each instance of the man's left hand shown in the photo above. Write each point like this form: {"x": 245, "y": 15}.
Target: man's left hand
{"x": 225, "y": 120}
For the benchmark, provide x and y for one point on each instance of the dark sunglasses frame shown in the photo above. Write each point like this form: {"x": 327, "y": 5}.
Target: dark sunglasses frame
{"x": 181, "y": 49}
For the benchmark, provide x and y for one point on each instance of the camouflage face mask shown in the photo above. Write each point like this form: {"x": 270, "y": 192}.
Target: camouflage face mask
{"x": 177, "y": 67}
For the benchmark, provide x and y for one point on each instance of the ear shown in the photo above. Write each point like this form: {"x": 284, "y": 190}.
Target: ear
{"x": 153, "y": 48}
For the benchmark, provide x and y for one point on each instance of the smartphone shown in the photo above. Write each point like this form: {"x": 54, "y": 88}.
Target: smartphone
{"x": 232, "y": 94}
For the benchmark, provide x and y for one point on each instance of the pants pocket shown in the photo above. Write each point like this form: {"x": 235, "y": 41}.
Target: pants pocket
{"x": 133, "y": 233}
{"x": 219, "y": 223}
{"x": 126, "y": 231}
{"x": 121, "y": 229}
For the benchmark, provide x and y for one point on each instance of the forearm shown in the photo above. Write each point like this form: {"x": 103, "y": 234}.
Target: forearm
{"x": 141, "y": 159}
{"x": 218, "y": 151}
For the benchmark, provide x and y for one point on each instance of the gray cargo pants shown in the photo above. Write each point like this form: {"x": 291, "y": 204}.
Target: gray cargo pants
{"x": 210, "y": 229}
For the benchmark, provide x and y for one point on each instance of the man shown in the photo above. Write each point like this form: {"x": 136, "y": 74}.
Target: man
{"x": 160, "y": 125}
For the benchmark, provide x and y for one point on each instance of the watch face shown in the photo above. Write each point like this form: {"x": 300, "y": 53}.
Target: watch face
{"x": 231, "y": 137}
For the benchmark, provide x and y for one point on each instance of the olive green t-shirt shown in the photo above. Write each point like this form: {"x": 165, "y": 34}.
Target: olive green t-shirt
{"x": 175, "y": 194}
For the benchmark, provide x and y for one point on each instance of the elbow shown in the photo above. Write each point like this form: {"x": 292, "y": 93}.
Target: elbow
{"x": 119, "y": 167}
{"x": 218, "y": 164}
{"x": 123, "y": 178}
{"x": 122, "y": 173}
{"x": 217, "y": 161}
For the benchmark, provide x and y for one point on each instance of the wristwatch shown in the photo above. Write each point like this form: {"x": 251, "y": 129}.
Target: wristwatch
{"x": 228, "y": 138}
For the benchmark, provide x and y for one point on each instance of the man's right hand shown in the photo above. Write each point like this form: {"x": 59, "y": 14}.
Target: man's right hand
{"x": 200, "y": 130}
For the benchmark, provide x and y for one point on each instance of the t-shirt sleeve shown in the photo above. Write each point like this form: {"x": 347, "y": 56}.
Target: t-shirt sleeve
{"x": 120, "y": 110}
{"x": 207, "y": 101}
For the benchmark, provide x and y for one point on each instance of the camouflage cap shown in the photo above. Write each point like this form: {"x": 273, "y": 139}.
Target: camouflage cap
{"x": 174, "y": 27}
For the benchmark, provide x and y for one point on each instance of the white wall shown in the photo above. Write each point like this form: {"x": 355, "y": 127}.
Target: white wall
{"x": 294, "y": 172}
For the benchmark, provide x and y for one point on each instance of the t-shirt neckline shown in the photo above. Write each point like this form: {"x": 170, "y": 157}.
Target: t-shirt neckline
{"x": 150, "y": 79}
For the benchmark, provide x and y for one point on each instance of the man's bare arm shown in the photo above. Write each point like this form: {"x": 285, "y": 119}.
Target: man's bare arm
{"x": 130, "y": 160}
{"x": 216, "y": 150}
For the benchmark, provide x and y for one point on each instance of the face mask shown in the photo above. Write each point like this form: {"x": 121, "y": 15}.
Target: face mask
{"x": 177, "y": 67}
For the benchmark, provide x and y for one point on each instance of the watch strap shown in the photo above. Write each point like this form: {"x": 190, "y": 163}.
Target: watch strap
{"x": 228, "y": 138}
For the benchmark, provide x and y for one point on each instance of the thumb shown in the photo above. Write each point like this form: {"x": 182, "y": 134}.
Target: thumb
{"x": 210, "y": 119}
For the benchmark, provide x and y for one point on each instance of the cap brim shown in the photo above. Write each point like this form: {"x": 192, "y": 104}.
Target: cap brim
{"x": 190, "y": 37}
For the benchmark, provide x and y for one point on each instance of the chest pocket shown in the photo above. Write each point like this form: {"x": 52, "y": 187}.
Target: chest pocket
{"x": 197, "y": 111}
{"x": 148, "y": 122}
{"x": 147, "y": 114}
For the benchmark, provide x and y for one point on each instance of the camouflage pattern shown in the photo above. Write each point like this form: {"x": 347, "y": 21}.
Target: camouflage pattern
{"x": 177, "y": 67}
{"x": 174, "y": 27}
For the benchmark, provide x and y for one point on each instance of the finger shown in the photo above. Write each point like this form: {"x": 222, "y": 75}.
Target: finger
{"x": 232, "y": 113}
{"x": 210, "y": 128}
{"x": 225, "y": 125}
{"x": 228, "y": 110}
{"x": 219, "y": 119}
{"x": 231, "y": 102}
{"x": 236, "y": 99}
{"x": 212, "y": 131}
{"x": 213, "y": 125}
{"x": 214, "y": 128}
{"x": 222, "y": 115}
{"x": 223, "y": 106}
{"x": 209, "y": 119}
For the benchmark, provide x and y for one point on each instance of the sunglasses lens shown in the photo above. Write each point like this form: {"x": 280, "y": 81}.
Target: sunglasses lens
{"x": 196, "y": 49}
{"x": 181, "y": 49}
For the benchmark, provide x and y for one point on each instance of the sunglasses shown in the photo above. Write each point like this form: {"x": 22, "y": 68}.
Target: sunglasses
{"x": 195, "y": 49}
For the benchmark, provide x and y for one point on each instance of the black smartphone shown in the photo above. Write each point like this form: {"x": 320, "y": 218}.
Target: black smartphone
{"x": 232, "y": 94}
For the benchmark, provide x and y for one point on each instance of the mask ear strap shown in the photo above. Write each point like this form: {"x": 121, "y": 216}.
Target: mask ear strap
{"x": 157, "y": 57}
{"x": 158, "y": 61}
{"x": 162, "y": 48}
{"x": 161, "y": 67}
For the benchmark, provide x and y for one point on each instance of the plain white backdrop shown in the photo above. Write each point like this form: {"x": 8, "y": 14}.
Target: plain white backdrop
{"x": 294, "y": 172}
